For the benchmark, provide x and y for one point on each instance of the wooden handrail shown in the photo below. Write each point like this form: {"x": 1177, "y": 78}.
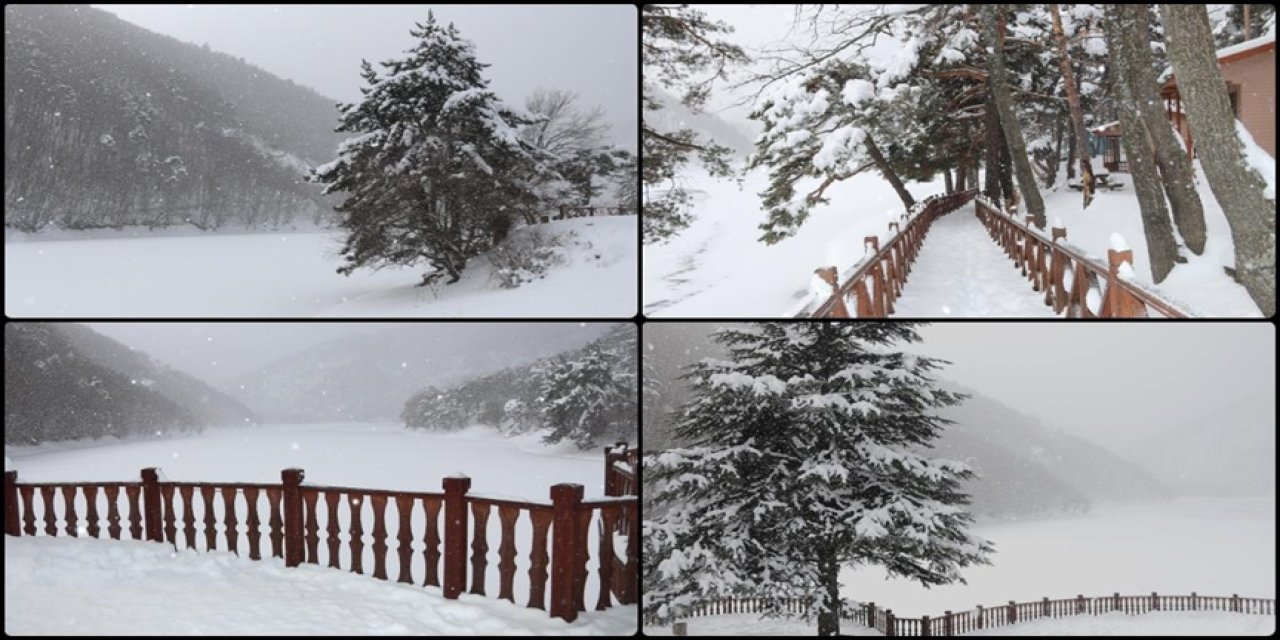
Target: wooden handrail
{"x": 876, "y": 280}
{"x": 1067, "y": 276}
{"x": 455, "y": 518}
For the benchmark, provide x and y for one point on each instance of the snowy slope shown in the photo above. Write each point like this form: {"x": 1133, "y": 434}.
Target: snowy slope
{"x": 64, "y": 586}
{"x": 718, "y": 267}
{"x": 293, "y": 275}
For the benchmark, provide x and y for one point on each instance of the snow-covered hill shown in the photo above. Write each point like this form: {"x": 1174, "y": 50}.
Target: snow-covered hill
{"x": 372, "y": 376}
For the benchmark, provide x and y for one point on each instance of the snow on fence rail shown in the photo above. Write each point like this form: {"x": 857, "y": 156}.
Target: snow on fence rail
{"x": 877, "y": 280}
{"x": 586, "y": 212}
{"x": 295, "y": 522}
{"x": 950, "y": 624}
{"x": 1070, "y": 280}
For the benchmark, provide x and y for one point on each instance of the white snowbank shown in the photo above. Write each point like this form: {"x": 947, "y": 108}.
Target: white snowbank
{"x": 66, "y": 586}
{"x": 8, "y": 464}
{"x": 1258, "y": 160}
{"x": 750, "y": 624}
{"x": 293, "y": 275}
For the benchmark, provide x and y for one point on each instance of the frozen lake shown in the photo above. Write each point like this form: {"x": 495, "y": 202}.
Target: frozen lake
{"x": 294, "y": 275}
{"x": 1210, "y": 546}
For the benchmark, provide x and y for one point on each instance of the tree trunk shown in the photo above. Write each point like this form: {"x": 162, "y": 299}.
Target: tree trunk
{"x": 1162, "y": 249}
{"x": 1073, "y": 103}
{"x": 829, "y": 615}
{"x": 1006, "y": 170}
{"x": 946, "y": 175}
{"x": 1129, "y": 24}
{"x": 885, "y": 170}
{"x": 1236, "y": 186}
{"x": 993, "y": 144}
{"x": 1056, "y": 158}
{"x": 993, "y": 31}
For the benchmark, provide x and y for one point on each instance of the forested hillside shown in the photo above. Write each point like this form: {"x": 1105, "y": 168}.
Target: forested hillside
{"x": 63, "y": 382}
{"x": 587, "y": 396}
{"x": 108, "y": 125}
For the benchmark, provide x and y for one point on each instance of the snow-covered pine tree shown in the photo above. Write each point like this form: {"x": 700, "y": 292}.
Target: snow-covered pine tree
{"x": 807, "y": 455}
{"x": 590, "y": 398}
{"x": 438, "y": 171}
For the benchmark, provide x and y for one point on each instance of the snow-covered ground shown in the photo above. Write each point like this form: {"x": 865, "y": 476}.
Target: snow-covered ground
{"x": 718, "y": 267}
{"x": 294, "y": 275}
{"x": 355, "y": 455}
{"x": 960, "y": 272}
{"x": 750, "y": 624}
{"x": 1199, "y": 284}
{"x": 65, "y": 586}
{"x": 1174, "y": 623}
{"x": 1210, "y": 546}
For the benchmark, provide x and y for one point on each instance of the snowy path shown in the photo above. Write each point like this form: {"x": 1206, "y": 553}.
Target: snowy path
{"x": 960, "y": 272}
{"x": 61, "y": 586}
{"x": 750, "y": 624}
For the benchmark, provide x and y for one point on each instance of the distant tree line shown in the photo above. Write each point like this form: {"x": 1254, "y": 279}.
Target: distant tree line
{"x": 587, "y": 397}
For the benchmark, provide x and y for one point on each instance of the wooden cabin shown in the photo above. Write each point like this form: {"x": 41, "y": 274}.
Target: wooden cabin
{"x": 1249, "y": 69}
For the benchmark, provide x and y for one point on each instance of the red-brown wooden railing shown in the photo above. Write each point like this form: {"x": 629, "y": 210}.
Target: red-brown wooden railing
{"x": 876, "y": 280}
{"x": 620, "y": 465}
{"x": 297, "y": 513}
{"x": 954, "y": 624}
{"x": 1073, "y": 284}
{"x": 565, "y": 213}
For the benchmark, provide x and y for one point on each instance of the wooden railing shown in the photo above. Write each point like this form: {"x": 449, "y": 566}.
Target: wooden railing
{"x": 620, "y": 466}
{"x": 723, "y": 606}
{"x": 950, "y": 624}
{"x": 295, "y": 514}
{"x": 877, "y": 279}
{"x": 1072, "y": 283}
{"x": 565, "y": 213}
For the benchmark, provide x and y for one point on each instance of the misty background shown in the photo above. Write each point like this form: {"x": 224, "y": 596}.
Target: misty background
{"x": 320, "y": 46}
{"x": 1065, "y": 416}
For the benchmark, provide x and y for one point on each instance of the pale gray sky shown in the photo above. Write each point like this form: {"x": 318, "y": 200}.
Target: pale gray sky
{"x": 588, "y": 49}
{"x": 1106, "y": 381}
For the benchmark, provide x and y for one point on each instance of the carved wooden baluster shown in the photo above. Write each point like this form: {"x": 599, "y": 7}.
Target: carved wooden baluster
{"x": 479, "y": 546}
{"x": 538, "y": 569}
{"x": 113, "y": 511}
{"x": 309, "y": 497}
{"x": 253, "y": 524}
{"x": 210, "y": 522}
{"x": 188, "y": 515}
{"x": 229, "y": 514}
{"x": 91, "y": 509}
{"x": 69, "y": 499}
{"x": 50, "y": 519}
{"x": 608, "y": 520}
{"x": 277, "y": 523}
{"x": 135, "y": 514}
{"x": 357, "y": 534}
{"x": 507, "y": 552}
{"x": 379, "y": 536}
{"x": 331, "y": 500}
{"x": 170, "y": 530}
{"x": 404, "y": 505}
{"x": 28, "y": 510}
{"x": 432, "y": 551}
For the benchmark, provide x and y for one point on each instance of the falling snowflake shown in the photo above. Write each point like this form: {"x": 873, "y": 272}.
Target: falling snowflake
{"x": 296, "y": 446}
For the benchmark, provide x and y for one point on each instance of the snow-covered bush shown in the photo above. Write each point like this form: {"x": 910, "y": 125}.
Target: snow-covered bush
{"x": 525, "y": 258}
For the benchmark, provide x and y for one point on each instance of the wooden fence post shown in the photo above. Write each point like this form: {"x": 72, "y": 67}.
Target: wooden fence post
{"x": 888, "y": 623}
{"x": 924, "y": 626}
{"x": 1044, "y": 607}
{"x": 1195, "y": 606}
{"x": 609, "y": 485}
{"x": 1235, "y": 602}
{"x": 291, "y": 480}
{"x": 1155, "y": 601}
{"x": 151, "y": 503}
{"x": 946, "y": 625}
{"x": 455, "y": 535}
{"x": 980, "y": 617}
{"x": 564, "y": 550}
{"x": 11, "y": 504}
{"x": 1013, "y": 612}
{"x": 1115, "y": 603}
{"x": 1079, "y": 603}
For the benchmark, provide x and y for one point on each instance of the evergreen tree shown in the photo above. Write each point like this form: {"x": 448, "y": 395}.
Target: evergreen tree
{"x": 806, "y": 456}
{"x": 438, "y": 171}
{"x": 680, "y": 50}
{"x": 588, "y": 399}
